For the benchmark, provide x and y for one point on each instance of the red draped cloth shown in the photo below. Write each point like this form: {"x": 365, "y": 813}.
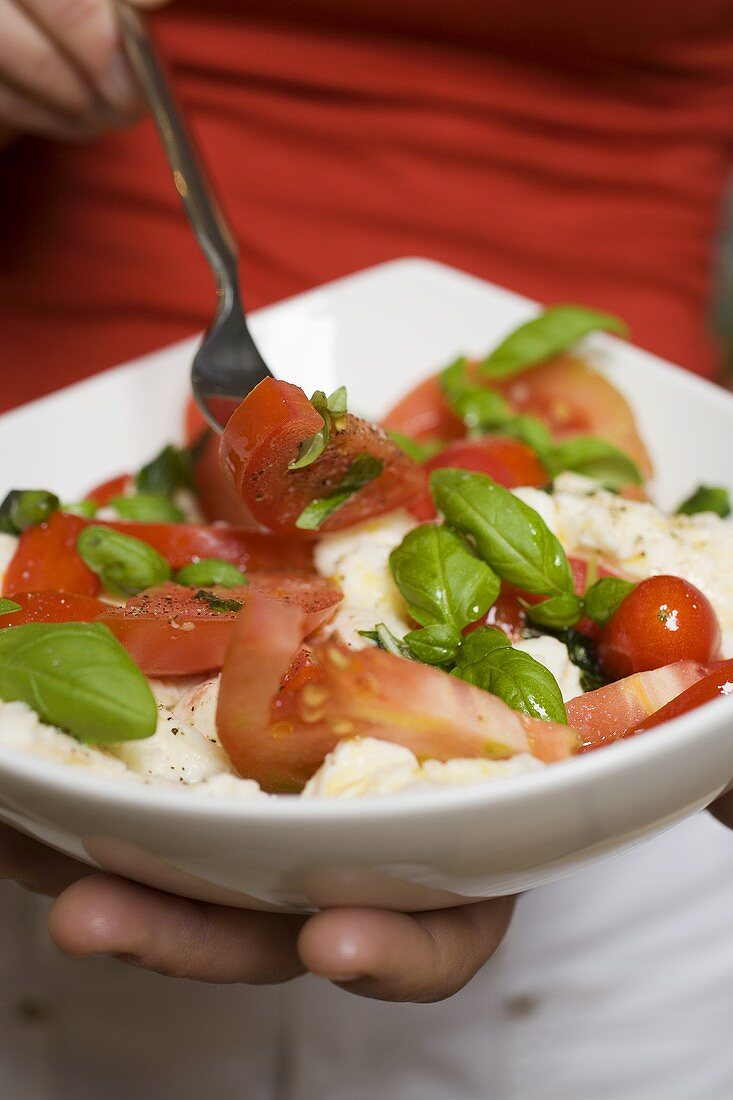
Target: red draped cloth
{"x": 569, "y": 151}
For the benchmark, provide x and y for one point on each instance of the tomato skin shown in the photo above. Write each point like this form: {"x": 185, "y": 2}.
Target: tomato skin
{"x": 46, "y": 558}
{"x": 53, "y": 607}
{"x": 506, "y": 613}
{"x": 663, "y": 620}
{"x": 108, "y": 490}
{"x": 169, "y": 632}
{"x": 264, "y": 436}
{"x": 424, "y": 414}
{"x": 508, "y": 461}
{"x": 183, "y": 543}
{"x": 718, "y": 684}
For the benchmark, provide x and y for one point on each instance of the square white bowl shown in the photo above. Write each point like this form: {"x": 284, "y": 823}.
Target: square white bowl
{"x": 379, "y": 332}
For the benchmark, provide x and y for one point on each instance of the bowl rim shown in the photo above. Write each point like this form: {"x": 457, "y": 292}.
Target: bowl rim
{"x": 614, "y": 759}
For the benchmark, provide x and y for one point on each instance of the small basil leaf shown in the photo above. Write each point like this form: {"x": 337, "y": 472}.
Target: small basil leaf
{"x": 170, "y": 470}
{"x": 509, "y": 535}
{"x": 24, "y": 508}
{"x": 603, "y": 598}
{"x": 417, "y": 451}
{"x": 522, "y": 682}
{"x": 363, "y": 469}
{"x": 330, "y": 409}
{"x": 534, "y": 433}
{"x": 482, "y": 410}
{"x": 86, "y": 508}
{"x": 441, "y": 579}
{"x": 216, "y": 603}
{"x": 210, "y": 571}
{"x": 434, "y": 645}
{"x": 77, "y": 676}
{"x": 8, "y": 607}
{"x": 125, "y": 565}
{"x": 476, "y": 646}
{"x": 147, "y": 508}
{"x": 556, "y": 329}
{"x": 557, "y": 611}
{"x": 596, "y": 459}
{"x": 707, "y": 498}
{"x": 383, "y": 637}
{"x": 453, "y": 380}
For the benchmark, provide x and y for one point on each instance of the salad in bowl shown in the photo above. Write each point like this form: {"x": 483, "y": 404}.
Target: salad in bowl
{"x": 316, "y": 606}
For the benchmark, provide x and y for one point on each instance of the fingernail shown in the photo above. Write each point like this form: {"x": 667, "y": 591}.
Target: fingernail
{"x": 117, "y": 83}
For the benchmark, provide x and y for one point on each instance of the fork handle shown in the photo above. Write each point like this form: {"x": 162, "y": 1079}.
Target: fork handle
{"x": 197, "y": 193}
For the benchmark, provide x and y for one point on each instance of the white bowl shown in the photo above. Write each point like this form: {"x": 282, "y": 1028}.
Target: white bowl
{"x": 379, "y": 332}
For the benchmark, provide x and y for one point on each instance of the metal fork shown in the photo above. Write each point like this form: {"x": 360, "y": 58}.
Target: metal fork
{"x": 228, "y": 364}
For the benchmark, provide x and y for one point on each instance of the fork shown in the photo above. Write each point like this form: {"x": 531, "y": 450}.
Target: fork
{"x": 228, "y": 364}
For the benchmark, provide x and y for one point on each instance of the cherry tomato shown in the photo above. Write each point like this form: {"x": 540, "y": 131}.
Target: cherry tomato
{"x": 108, "y": 490}
{"x": 716, "y": 685}
{"x": 280, "y": 738}
{"x": 610, "y": 713}
{"x": 663, "y": 620}
{"x": 53, "y": 607}
{"x": 182, "y": 543}
{"x": 46, "y": 558}
{"x": 573, "y": 400}
{"x": 264, "y": 436}
{"x": 424, "y": 414}
{"x": 169, "y": 631}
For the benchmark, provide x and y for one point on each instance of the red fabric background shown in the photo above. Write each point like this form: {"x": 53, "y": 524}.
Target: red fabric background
{"x": 568, "y": 151}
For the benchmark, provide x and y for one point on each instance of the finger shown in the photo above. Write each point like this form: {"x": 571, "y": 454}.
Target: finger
{"x": 36, "y": 867}
{"x": 400, "y": 957}
{"x": 85, "y": 32}
{"x": 723, "y": 809}
{"x": 32, "y": 63}
{"x": 103, "y": 915}
{"x": 18, "y": 112}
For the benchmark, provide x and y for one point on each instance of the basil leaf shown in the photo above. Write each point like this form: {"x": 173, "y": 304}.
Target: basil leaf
{"x": 7, "y": 607}
{"x": 530, "y": 430}
{"x": 23, "y": 508}
{"x": 147, "y": 508}
{"x": 126, "y": 565}
{"x": 546, "y": 336}
{"x": 519, "y": 680}
{"x": 480, "y": 408}
{"x": 330, "y": 409}
{"x": 86, "y": 508}
{"x": 434, "y": 645}
{"x": 170, "y": 470}
{"x": 558, "y": 611}
{"x": 596, "y": 459}
{"x": 210, "y": 571}
{"x": 441, "y": 579}
{"x": 363, "y": 469}
{"x": 216, "y": 603}
{"x": 509, "y": 535}
{"x": 77, "y": 676}
{"x": 417, "y": 451}
{"x": 706, "y": 498}
{"x": 476, "y": 646}
{"x": 604, "y": 597}
{"x": 383, "y": 637}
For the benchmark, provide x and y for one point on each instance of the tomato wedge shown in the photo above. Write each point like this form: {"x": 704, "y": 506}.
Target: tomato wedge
{"x": 281, "y": 738}
{"x": 108, "y": 490}
{"x": 170, "y": 631}
{"x": 610, "y": 713}
{"x": 718, "y": 684}
{"x": 424, "y": 414}
{"x": 46, "y": 558}
{"x": 264, "y": 436}
{"x": 53, "y": 607}
{"x": 572, "y": 399}
{"x": 182, "y": 543}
